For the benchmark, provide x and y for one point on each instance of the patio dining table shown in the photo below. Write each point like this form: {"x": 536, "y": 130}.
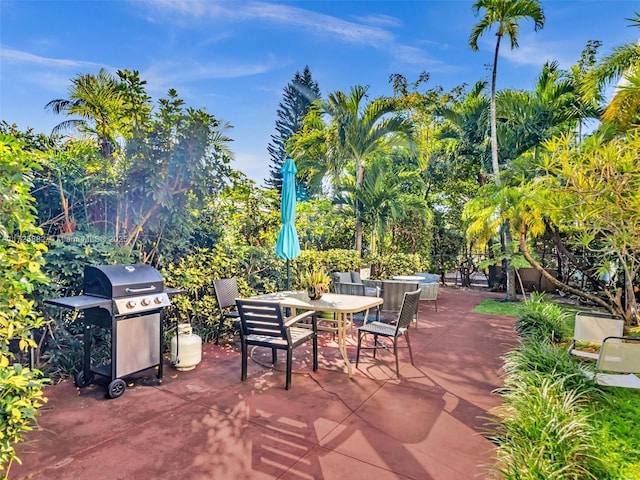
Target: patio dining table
{"x": 340, "y": 305}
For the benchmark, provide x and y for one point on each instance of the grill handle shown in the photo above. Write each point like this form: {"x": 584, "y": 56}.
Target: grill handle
{"x": 140, "y": 290}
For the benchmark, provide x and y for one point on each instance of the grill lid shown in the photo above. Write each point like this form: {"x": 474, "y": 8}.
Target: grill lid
{"x": 115, "y": 281}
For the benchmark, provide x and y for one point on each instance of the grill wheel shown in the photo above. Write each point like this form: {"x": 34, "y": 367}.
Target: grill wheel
{"x": 82, "y": 379}
{"x": 116, "y": 388}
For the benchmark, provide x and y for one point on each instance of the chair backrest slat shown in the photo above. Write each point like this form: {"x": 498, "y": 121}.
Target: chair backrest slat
{"x": 226, "y": 290}
{"x": 261, "y": 318}
{"x": 409, "y": 308}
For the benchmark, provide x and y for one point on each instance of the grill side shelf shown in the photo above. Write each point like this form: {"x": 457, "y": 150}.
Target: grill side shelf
{"x": 80, "y": 302}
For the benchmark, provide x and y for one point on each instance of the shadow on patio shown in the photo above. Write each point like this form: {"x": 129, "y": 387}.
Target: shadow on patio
{"x": 206, "y": 424}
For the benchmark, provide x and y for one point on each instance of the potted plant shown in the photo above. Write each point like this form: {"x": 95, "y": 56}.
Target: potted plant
{"x": 316, "y": 282}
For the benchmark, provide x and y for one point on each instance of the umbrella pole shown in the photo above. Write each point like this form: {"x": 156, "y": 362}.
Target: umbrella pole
{"x": 288, "y": 275}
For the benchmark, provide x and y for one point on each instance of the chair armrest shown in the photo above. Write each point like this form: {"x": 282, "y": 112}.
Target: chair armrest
{"x": 298, "y": 318}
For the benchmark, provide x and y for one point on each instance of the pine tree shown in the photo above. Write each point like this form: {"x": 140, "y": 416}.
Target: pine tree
{"x": 297, "y": 98}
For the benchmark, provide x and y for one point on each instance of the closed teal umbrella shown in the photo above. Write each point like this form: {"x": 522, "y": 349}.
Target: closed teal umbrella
{"x": 288, "y": 245}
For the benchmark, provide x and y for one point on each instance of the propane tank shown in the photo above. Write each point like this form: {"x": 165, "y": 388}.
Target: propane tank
{"x": 186, "y": 348}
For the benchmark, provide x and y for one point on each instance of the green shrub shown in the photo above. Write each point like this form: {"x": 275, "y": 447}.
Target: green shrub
{"x": 336, "y": 260}
{"x": 536, "y": 357}
{"x": 20, "y": 271}
{"x": 541, "y": 318}
{"x": 387, "y": 266}
{"x": 196, "y": 272}
{"x": 545, "y": 432}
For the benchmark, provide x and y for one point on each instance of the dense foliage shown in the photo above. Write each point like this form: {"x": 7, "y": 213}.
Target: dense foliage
{"x": 21, "y": 262}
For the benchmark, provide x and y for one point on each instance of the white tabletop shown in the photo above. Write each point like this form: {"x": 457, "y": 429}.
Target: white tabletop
{"x": 408, "y": 278}
{"x": 330, "y": 302}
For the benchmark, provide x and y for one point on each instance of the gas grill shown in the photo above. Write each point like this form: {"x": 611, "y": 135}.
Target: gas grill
{"x": 129, "y": 300}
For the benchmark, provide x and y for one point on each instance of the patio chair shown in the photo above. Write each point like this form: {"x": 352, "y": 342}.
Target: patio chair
{"x": 262, "y": 324}
{"x": 590, "y": 329}
{"x": 618, "y": 363}
{"x": 381, "y": 330}
{"x": 430, "y": 293}
{"x": 358, "y": 287}
{"x": 351, "y": 283}
{"x": 393, "y": 293}
{"x": 226, "y": 290}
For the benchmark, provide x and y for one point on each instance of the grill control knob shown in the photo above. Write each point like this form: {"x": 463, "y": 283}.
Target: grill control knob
{"x": 145, "y": 301}
{"x": 158, "y": 300}
{"x": 131, "y": 304}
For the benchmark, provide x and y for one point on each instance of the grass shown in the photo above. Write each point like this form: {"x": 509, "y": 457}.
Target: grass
{"x": 498, "y": 307}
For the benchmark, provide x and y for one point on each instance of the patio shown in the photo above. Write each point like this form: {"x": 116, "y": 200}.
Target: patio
{"x": 206, "y": 424}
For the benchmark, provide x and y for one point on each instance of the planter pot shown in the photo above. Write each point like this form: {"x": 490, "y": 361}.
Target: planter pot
{"x": 315, "y": 292}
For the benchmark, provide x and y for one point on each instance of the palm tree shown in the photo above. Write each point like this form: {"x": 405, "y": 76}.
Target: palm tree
{"x": 507, "y": 14}
{"x": 622, "y": 64}
{"x": 383, "y": 198}
{"x": 99, "y": 102}
{"x": 356, "y": 133}
{"x": 527, "y": 119}
{"x": 466, "y": 124}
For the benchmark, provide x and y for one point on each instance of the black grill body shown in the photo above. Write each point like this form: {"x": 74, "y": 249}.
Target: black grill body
{"x": 115, "y": 281}
{"x": 129, "y": 300}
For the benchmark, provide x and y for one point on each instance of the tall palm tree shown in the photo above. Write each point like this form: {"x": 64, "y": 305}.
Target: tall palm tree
{"x": 467, "y": 126}
{"x": 99, "y": 102}
{"x": 507, "y": 14}
{"x": 356, "y": 133}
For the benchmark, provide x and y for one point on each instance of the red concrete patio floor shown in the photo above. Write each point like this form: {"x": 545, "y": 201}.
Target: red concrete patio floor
{"x": 207, "y": 424}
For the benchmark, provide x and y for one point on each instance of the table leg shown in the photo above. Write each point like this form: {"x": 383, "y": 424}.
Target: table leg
{"x": 342, "y": 340}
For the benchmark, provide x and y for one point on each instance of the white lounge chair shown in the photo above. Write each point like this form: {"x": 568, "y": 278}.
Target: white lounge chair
{"x": 591, "y": 328}
{"x": 619, "y": 363}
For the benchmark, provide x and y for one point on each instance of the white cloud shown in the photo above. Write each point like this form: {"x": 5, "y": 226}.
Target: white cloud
{"x": 365, "y": 31}
{"x": 380, "y": 20}
{"x": 165, "y": 74}
{"x": 18, "y": 56}
{"x": 535, "y": 53}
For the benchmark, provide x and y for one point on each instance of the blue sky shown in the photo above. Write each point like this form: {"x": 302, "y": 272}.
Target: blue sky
{"x": 234, "y": 58}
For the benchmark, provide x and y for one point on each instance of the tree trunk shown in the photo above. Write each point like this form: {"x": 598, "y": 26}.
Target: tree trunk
{"x": 511, "y": 277}
{"x": 494, "y": 127}
{"x": 558, "y": 283}
{"x": 359, "y": 185}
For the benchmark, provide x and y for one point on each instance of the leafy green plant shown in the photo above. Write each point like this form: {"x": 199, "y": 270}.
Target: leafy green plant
{"x": 20, "y": 271}
{"x": 386, "y": 266}
{"x": 542, "y": 318}
{"x": 316, "y": 278}
{"x": 20, "y": 397}
{"x": 195, "y": 273}
{"x": 545, "y": 432}
{"x": 538, "y": 356}
{"x": 554, "y": 422}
